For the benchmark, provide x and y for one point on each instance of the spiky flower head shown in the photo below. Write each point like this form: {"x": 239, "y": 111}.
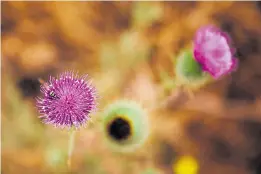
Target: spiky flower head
{"x": 67, "y": 100}
{"x": 125, "y": 125}
{"x": 213, "y": 51}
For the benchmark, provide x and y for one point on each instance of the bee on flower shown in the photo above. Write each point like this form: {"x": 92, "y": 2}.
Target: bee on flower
{"x": 67, "y": 101}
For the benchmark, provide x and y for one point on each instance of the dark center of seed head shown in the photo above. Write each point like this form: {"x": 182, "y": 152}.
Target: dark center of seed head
{"x": 119, "y": 129}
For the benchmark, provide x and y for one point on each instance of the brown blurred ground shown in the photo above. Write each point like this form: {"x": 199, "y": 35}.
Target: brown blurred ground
{"x": 124, "y": 46}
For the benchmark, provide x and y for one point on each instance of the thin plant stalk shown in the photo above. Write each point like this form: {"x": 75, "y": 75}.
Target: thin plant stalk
{"x": 70, "y": 146}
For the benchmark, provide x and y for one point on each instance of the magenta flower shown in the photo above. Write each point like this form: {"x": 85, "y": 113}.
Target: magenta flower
{"x": 213, "y": 51}
{"x": 67, "y": 101}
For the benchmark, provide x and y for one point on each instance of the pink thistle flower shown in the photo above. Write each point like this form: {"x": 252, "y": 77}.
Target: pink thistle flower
{"x": 67, "y": 101}
{"x": 213, "y": 51}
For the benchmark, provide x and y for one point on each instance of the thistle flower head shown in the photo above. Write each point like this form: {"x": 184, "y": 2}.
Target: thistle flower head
{"x": 125, "y": 125}
{"x": 67, "y": 101}
{"x": 213, "y": 51}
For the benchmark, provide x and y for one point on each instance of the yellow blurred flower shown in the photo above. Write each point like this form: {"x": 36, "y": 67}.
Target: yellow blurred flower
{"x": 186, "y": 165}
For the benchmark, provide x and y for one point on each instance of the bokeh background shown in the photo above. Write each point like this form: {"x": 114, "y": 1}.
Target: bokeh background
{"x": 126, "y": 47}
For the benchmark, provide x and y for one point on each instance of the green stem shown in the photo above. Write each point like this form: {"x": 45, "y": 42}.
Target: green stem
{"x": 70, "y": 146}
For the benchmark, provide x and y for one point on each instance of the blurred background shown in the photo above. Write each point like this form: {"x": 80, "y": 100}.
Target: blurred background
{"x": 126, "y": 47}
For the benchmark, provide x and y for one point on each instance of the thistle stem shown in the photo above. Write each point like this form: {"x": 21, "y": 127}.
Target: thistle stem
{"x": 70, "y": 146}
